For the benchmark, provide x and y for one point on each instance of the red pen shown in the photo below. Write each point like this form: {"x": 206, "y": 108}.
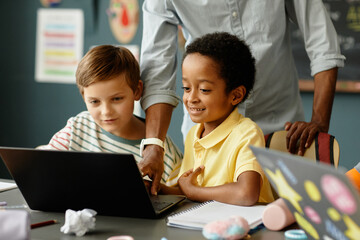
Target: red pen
{"x": 41, "y": 224}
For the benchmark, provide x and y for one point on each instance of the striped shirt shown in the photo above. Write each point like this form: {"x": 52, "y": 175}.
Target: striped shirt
{"x": 81, "y": 133}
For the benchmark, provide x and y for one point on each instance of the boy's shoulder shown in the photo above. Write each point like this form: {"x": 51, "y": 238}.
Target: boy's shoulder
{"x": 246, "y": 131}
{"x": 238, "y": 121}
{"x": 244, "y": 127}
{"x": 82, "y": 118}
{"x": 83, "y": 114}
{"x": 246, "y": 124}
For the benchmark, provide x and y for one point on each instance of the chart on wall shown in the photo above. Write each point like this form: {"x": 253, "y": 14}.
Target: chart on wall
{"x": 50, "y": 3}
{"x": 345, "y": 15}
{"x": 59, "y": 44}
{"x": 123, "y": 19}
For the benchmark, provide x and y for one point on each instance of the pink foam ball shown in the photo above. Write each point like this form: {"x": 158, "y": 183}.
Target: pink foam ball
{"x": 233, "y": 228}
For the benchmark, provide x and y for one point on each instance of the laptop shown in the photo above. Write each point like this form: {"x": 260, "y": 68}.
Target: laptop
{"x": 111, "y": 184}
{"x": 324, "y": 202}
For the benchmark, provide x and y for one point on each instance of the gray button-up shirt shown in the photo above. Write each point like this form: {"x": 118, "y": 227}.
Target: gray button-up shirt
{"x": 264, "y": 25}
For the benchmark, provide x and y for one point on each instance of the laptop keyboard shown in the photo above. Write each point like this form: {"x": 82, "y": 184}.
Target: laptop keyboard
{"x": 159, "y": 205}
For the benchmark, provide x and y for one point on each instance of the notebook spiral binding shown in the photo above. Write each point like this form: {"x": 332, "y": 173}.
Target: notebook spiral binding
{"x": 190, "y": 209}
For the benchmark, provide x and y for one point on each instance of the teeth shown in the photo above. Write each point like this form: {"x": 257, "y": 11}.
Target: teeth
{"x": 198, "y": 109}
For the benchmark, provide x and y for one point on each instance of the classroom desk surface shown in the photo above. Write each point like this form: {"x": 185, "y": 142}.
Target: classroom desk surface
{"x": 112, "y": 226}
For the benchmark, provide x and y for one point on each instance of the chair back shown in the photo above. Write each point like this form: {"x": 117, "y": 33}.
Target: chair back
{"x": 325, "y": 148}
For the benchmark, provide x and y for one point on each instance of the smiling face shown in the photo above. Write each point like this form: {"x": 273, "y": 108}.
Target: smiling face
{"x": 111, "y": 104}
{"x": 204, "y": 96}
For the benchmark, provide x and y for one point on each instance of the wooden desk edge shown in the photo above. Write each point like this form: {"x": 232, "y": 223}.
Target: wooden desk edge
{"x": 349, "y": 86}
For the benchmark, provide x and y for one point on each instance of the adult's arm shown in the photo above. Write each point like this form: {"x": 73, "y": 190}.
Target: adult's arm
{"x": 158, "y": 118}
{"x": 158, "y": 72}
{"x": 323, "y": 49}
{"x": 324, "y": 90}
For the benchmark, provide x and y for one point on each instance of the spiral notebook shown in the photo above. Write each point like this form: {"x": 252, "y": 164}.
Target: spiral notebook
{"x": 197, "y": 217}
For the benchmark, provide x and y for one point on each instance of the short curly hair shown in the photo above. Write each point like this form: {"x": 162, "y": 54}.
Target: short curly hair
{"x": 105, "y": 62}
{"x": 236, "y": 63}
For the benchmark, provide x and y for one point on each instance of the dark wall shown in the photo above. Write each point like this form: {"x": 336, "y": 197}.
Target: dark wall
{"x": 32, "y": 112}
{"x": 345, "y": 16}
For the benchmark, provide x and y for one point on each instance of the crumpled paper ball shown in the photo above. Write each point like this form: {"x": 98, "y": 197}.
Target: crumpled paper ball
{"x": 233, "y": 228}
{"x": 78, "y": 222}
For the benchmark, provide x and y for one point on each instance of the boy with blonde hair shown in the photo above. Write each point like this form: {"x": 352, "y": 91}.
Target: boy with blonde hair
{"x": 108, "y": 78}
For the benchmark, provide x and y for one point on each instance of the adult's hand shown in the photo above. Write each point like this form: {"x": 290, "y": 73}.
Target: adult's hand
{"x": 300, "y": 135}
{"x": 304, "y": 132}
{"x": 157, "y": 119}
{"x": 152, "y": 165}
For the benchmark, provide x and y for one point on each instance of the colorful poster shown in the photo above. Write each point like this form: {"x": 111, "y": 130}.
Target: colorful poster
{"x": 59, "y": 44}
{"x": 50, "y": 3}
{"x": 123, "y": 19}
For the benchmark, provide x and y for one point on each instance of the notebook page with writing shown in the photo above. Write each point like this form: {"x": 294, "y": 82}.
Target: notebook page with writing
{"x": 197, "y": 217}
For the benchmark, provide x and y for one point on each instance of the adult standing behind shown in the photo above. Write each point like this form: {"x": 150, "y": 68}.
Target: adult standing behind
{"x": 275, "y": 102}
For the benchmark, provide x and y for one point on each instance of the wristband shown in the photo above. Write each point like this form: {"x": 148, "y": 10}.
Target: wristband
{"x": 148, "y": 141}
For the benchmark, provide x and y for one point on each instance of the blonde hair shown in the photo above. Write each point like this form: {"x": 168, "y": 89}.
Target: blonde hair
{"x": 106, "y": 62}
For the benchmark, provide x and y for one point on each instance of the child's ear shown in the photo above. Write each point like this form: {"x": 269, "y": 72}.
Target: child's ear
{"x": 139, "y": 90}
{"x": 238, "y": 95}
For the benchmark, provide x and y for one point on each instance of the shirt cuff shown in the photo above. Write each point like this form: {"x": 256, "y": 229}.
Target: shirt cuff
{"x": 162, "y": 96}
{"x": 323, "y": 64}
{"x": 250, "y": 166}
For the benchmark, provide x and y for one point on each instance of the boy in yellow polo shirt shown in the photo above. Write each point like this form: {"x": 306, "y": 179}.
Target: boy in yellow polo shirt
{"x": 218, "y": 74}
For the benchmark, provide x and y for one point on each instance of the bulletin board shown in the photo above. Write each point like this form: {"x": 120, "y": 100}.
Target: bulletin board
{"x": 345, "y": 16}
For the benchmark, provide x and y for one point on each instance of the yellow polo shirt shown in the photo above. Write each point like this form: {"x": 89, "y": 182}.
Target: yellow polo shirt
{"x": 225, "y": 153}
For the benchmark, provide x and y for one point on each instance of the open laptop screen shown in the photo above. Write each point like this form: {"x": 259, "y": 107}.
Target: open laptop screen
{"x": 50, "y": 180}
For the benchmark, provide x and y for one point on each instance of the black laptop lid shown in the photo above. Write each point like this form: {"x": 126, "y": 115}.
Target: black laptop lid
{"x": 111, "y": 184}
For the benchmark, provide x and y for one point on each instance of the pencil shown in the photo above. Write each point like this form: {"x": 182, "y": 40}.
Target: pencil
{"x": 41, "y": 224}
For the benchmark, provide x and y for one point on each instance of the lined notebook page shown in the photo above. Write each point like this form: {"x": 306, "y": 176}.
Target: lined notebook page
{"x": 198, "y": 216}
